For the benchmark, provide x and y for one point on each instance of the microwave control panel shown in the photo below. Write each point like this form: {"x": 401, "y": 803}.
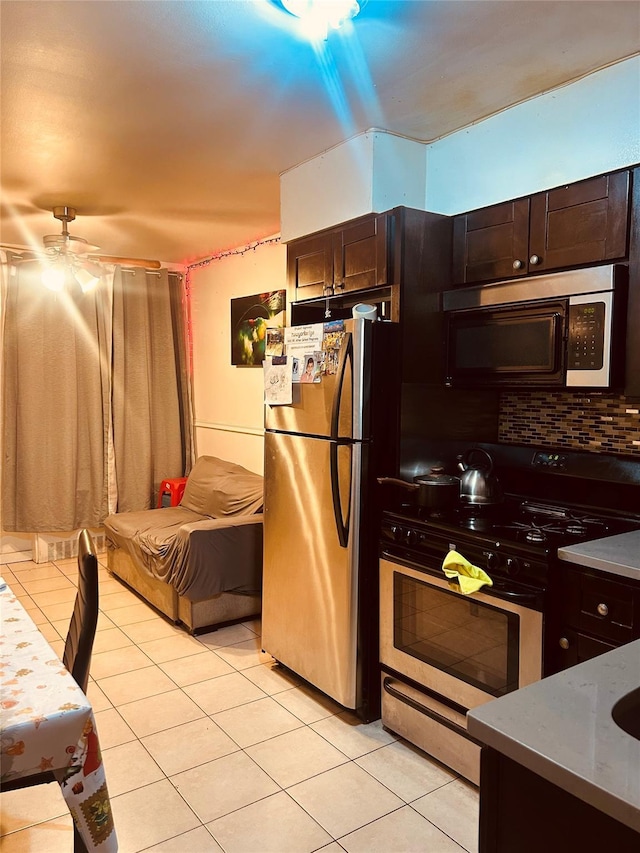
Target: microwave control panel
{"x": 585, "y": 349}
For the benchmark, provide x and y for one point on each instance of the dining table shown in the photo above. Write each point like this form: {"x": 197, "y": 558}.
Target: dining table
{"x": 47, "y": 725}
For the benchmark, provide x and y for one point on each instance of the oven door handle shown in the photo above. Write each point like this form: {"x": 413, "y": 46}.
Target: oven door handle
{"x": 515, "y": 596}
{"x": 507, "y": 595}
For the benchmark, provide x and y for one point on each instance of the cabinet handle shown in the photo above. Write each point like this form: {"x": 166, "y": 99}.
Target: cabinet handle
{"x": 339, "y": 285}
{"x": 327, "y": 290}
{"x": 602, "y": 609}
{"x": 563, "y": 643}
{"x": 534, "y": 259}
{"x": 517, "y": 264}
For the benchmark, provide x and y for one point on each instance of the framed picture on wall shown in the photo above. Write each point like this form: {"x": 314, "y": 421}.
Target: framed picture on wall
{"x": 251, "y": 316}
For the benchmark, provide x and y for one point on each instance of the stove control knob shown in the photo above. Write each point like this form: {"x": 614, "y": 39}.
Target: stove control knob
{"x": 396, "y": 532}
{"x": 512, "y": 566}
{"x": 492, "y": 560}
{"x": 411, "y": 537}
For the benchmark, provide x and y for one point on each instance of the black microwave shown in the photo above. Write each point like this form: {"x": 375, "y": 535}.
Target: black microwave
{"x": 565, "y": 330}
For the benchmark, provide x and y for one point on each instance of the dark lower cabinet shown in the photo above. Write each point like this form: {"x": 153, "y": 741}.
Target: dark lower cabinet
{"x": 592, "y": 613}
{"x": 520, "y": 812}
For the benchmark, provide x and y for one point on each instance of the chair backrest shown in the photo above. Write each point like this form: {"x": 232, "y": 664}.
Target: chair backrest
{"x": 82, "y": 628}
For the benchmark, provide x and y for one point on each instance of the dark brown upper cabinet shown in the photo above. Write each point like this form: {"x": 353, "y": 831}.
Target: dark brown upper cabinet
{"x": 310, "y": 266}
{"x": 362, "y": 254}
{"x": 353, "y": 256}
{"x": 573, "y": 225}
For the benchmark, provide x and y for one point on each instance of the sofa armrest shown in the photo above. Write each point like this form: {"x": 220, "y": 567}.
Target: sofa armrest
{"x": 224, "y": 555}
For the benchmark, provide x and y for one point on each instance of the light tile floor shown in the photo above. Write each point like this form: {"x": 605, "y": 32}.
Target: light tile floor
{"x": 209, "y": 745}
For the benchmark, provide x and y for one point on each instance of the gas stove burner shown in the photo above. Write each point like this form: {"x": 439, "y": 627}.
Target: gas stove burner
{"x": 535, "y": 535}
{"x": 576, "y": 528}
{"x": 477, "y": 522}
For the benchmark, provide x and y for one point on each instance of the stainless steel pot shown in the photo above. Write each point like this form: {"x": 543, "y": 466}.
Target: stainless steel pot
{"x": 478, "y": 484}
{"x": 435, "y": 491}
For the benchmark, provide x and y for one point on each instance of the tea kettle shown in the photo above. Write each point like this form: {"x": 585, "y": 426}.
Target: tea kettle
{"x": 478, "y": 485}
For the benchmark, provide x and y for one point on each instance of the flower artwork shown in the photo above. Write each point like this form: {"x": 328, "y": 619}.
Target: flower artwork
{"x": 251, "y": 316}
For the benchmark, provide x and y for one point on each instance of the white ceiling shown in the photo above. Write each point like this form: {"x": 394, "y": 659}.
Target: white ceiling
{"x": 167, "y": 123}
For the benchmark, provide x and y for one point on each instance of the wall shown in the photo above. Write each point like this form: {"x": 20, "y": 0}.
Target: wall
{"x": 583, "y": 129}
{"x": 228, "y": 400}
{"x": 373, "y": 171}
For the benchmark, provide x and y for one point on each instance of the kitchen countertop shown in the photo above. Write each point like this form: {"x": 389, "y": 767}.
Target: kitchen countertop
{"x": 618, "y": 555}
{"x": 561, "y": 728}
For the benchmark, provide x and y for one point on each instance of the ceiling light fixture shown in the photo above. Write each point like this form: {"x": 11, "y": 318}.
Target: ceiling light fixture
{"x": 65, "y": 262}
{"x": 317, "y": 16}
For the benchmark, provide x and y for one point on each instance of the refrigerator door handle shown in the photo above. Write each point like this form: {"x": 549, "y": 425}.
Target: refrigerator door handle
{"x": 346, "y": 355}
{"x": 342, "y": 527}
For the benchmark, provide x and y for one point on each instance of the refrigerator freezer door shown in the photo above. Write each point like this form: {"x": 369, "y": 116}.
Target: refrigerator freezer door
{"x": 313, "y": 410}
{"x": 309, "y": 600}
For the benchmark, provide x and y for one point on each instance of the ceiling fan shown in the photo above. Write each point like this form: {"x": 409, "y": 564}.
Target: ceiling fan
{"x": 67, "y": 255}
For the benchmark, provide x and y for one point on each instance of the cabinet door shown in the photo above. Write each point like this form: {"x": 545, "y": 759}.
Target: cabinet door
{"x": 572, "y": 648}
{"x": 581, "y": 223}
{"x": 310, "y": 266}
{"x": 361, "y": 254}
{"x": 491, "y": 243}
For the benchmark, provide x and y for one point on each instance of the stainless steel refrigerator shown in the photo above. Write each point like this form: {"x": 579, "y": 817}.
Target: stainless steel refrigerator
{"x": 323, "y": 454}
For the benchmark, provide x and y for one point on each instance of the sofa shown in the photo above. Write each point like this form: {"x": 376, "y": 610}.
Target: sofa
{"x": 200, "y": 562}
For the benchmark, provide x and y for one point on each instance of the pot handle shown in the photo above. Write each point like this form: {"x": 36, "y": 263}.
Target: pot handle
{"x": 393, "y": 481}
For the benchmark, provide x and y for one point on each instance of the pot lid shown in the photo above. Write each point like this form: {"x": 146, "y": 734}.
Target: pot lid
{"x": 437, "y": 477}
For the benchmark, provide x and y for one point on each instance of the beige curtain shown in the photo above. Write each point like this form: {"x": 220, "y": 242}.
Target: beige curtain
{"x": 96, "y": 405}
{"x": 55, "y": 404}
{"x": 151, "y": 415}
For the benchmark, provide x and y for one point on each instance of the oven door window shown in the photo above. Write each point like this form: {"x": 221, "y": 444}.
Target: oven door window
{"x": 470, "y": 640}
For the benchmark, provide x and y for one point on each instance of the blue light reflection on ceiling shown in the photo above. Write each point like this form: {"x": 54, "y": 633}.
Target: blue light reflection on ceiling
{"x": 356, "y": 71}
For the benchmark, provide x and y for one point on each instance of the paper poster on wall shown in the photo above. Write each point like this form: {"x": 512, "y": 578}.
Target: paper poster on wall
{"x": 278, "y": 390}
{"x": 251, "y": 319}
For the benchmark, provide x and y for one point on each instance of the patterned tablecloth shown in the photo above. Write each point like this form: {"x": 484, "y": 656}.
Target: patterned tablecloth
{"x": 46, "y": 723}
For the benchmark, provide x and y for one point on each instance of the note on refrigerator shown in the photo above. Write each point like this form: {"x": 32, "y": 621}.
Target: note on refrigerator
{"x": 278, "y": 389}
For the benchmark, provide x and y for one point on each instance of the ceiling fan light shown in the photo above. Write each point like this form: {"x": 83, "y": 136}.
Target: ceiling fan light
{"x": 53, "y": 277}
{"x": 86, "y": 279}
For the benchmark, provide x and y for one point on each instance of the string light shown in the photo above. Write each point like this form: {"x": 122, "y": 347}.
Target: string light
{"x": 227, "y": 253}
{"x": 204, "y": 262}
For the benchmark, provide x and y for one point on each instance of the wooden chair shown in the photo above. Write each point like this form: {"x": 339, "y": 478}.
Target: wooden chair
{"x": 77, "y": 650}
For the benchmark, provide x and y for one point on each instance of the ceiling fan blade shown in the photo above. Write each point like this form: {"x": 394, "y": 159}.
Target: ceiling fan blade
{"x": 126, "y": 262}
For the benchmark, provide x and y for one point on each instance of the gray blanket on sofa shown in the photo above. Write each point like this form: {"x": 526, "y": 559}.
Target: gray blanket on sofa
{"x": 184, "y": 546}
{"x": 197, "y": 555}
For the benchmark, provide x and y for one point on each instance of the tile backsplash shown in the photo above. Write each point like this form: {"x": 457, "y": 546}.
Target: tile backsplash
{"x": 600, "y": 423}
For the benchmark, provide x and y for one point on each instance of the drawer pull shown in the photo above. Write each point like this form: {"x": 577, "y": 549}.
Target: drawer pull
{"x": 603, "y": 610}
{"x": 564, "y": 643}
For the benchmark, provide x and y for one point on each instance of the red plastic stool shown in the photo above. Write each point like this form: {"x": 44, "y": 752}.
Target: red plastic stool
{"x": 174, "y": 489}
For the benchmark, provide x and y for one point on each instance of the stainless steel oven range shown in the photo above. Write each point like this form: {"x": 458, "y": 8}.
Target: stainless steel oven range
{"x": 443, "y": 652}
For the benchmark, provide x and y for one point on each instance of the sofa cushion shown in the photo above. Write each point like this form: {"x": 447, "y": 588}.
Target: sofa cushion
{"x": 219, "y": 489}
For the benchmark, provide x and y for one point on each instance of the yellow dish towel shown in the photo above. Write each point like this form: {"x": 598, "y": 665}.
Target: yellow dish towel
{"x": 470, "y": 578}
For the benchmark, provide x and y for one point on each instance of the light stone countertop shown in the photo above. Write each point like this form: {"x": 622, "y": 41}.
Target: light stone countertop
{"x": 561, "y": 728}
{"x": 618, "y": 555}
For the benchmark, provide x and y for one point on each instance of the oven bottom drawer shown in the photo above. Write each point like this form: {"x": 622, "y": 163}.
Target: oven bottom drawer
{"x": 445, "y": 741}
